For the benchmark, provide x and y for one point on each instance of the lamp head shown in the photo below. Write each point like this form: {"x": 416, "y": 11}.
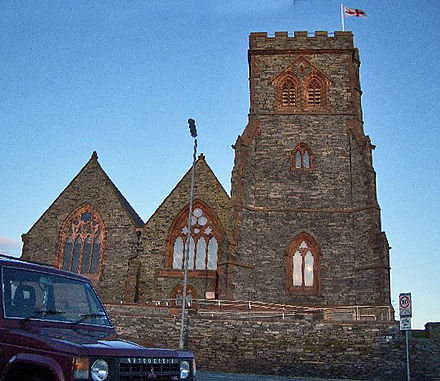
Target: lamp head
{"x": 192, "y": 127}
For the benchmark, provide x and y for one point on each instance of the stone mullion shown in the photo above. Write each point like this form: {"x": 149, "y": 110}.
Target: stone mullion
{"x": 81, "y": 252}
{"x": 303, "y": 266}
{"x": 207, "y": 252}
{"x": 92, "y": 242}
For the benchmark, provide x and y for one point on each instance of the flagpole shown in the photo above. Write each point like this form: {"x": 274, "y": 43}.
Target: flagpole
{"x": 342, "y": 17}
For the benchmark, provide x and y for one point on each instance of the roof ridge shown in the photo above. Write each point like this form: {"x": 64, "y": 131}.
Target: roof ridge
{"x": 200, "y": 159}
{"x": 126, "y": 205}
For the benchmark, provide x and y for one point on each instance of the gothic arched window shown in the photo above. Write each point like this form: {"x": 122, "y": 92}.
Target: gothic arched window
{"x": 177, "y": 295}
{"x": 303, "y": 265}
{"x": 315, "y": 92}
{"x": 204, "y": 240}
{"x": 303, "y": 157}
{"x": 82, "y": 242}
{"x": 289, "y": 93}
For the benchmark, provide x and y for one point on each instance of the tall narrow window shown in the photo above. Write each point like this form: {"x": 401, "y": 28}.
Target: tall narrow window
{"x": 288, "y": 96}
{"x": 302, "y": 265}
{"x": 81, "y": 242}
{"x": 303, "y": 157}
{"x": 204, "y": 238}
{"x": 177, "y": 294}
{"x": 314, "y": 93}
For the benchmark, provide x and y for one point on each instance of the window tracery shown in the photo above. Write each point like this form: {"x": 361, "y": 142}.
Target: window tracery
{"x": 203, "y": 244}
{"x": 303, "y": 265}
{"x": 82, "y": 242}
{"x": 303, "y": 157}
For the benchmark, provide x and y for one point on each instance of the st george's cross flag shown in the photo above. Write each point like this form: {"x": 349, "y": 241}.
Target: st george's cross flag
{"x": 355, "y": 12}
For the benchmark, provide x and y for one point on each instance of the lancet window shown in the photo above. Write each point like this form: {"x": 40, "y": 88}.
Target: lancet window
{"x": 82, "y": 243}
{"x": 301, "y": 88}
{"x": 303, "y": 157}
{"x": 303, "y": 265}
{"x": 314, "y": 92}
{"x": 203, "y": 243}
{"x": 177, "y": 295}
{"x": 288, "y": 96}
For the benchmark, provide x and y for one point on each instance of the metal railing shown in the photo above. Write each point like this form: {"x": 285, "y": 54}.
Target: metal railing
{"x": 243, "y": 308}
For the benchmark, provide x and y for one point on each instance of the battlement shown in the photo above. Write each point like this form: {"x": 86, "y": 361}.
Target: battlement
{"x": 301, "y": 40}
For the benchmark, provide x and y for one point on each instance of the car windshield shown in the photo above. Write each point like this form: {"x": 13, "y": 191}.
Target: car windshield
{"x": 34, "y": 295}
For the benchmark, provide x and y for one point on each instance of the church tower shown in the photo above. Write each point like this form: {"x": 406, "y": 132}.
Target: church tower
{"x": 307, "y": 225}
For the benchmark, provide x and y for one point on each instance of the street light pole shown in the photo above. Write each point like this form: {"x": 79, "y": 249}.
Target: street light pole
{"x": 193, "y": 131}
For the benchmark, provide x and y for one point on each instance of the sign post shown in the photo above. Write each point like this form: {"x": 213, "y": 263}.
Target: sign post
{"x": 405, "y": 311}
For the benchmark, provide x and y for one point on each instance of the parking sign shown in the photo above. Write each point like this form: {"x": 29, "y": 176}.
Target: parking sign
{"x": 405, "y": 324}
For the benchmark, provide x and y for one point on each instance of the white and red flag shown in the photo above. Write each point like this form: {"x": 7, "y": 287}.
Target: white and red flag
{"x": 355, "y": 12}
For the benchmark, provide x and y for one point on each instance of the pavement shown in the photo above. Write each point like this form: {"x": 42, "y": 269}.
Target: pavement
{"x": 210, "y": 376}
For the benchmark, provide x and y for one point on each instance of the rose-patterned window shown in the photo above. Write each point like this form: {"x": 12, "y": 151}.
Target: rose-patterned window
{"x": 303, "y": 265}
{"x": 82, "y": 242}
{"x": 203, "y": 244}
{"x": 303, "y": 157}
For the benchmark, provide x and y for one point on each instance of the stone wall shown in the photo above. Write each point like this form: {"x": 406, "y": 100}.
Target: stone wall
{"x": 301, "y": 345}
{"x": 90, "y": 187}
{"x": 334, "y": 201}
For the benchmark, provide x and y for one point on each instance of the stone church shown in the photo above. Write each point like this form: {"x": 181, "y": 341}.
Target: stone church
{"x": 301, "y": 226}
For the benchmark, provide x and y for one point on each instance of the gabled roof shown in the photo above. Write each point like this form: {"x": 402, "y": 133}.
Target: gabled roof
{"x": 201, "y": 162}
{"x": 137, "y": 221}
{"x": 131, "y": 212}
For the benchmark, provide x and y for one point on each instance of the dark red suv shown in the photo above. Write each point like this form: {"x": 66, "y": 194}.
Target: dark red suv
{"x": 53, "y": 327}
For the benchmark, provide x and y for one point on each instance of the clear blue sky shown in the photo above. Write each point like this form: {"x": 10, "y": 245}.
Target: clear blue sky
{"x": 122, "y": 77}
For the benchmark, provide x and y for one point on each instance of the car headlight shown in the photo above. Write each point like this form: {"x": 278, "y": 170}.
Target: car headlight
{"x": 99, "y": 370}
{"x": 185, "y": 369}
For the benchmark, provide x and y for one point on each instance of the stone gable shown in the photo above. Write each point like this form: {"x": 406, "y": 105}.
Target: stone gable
{"x": 91, "y": 187}
{"x": 157, "y": 280}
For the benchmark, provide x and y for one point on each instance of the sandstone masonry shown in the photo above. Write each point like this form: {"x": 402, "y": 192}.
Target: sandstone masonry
{"x": 300, "y": 233}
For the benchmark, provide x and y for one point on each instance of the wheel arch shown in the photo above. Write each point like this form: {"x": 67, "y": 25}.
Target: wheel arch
{"x": 23, "y": 361}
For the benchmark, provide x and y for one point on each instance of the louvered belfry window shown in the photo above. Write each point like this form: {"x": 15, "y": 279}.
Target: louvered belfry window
{"x": 289, "y": 94}
{"x": 83, "y": 243}
{"x": 314, "y": 93}
{"x": 204, "y": 240}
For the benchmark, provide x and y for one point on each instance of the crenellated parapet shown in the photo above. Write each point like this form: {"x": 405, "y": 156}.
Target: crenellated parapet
{"x": 301, "y": 40}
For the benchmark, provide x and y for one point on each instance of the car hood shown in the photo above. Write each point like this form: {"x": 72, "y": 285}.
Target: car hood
{"x": 98, "y": 343}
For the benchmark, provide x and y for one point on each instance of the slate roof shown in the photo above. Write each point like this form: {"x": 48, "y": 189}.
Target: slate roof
{"x": 131, "y": 212}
